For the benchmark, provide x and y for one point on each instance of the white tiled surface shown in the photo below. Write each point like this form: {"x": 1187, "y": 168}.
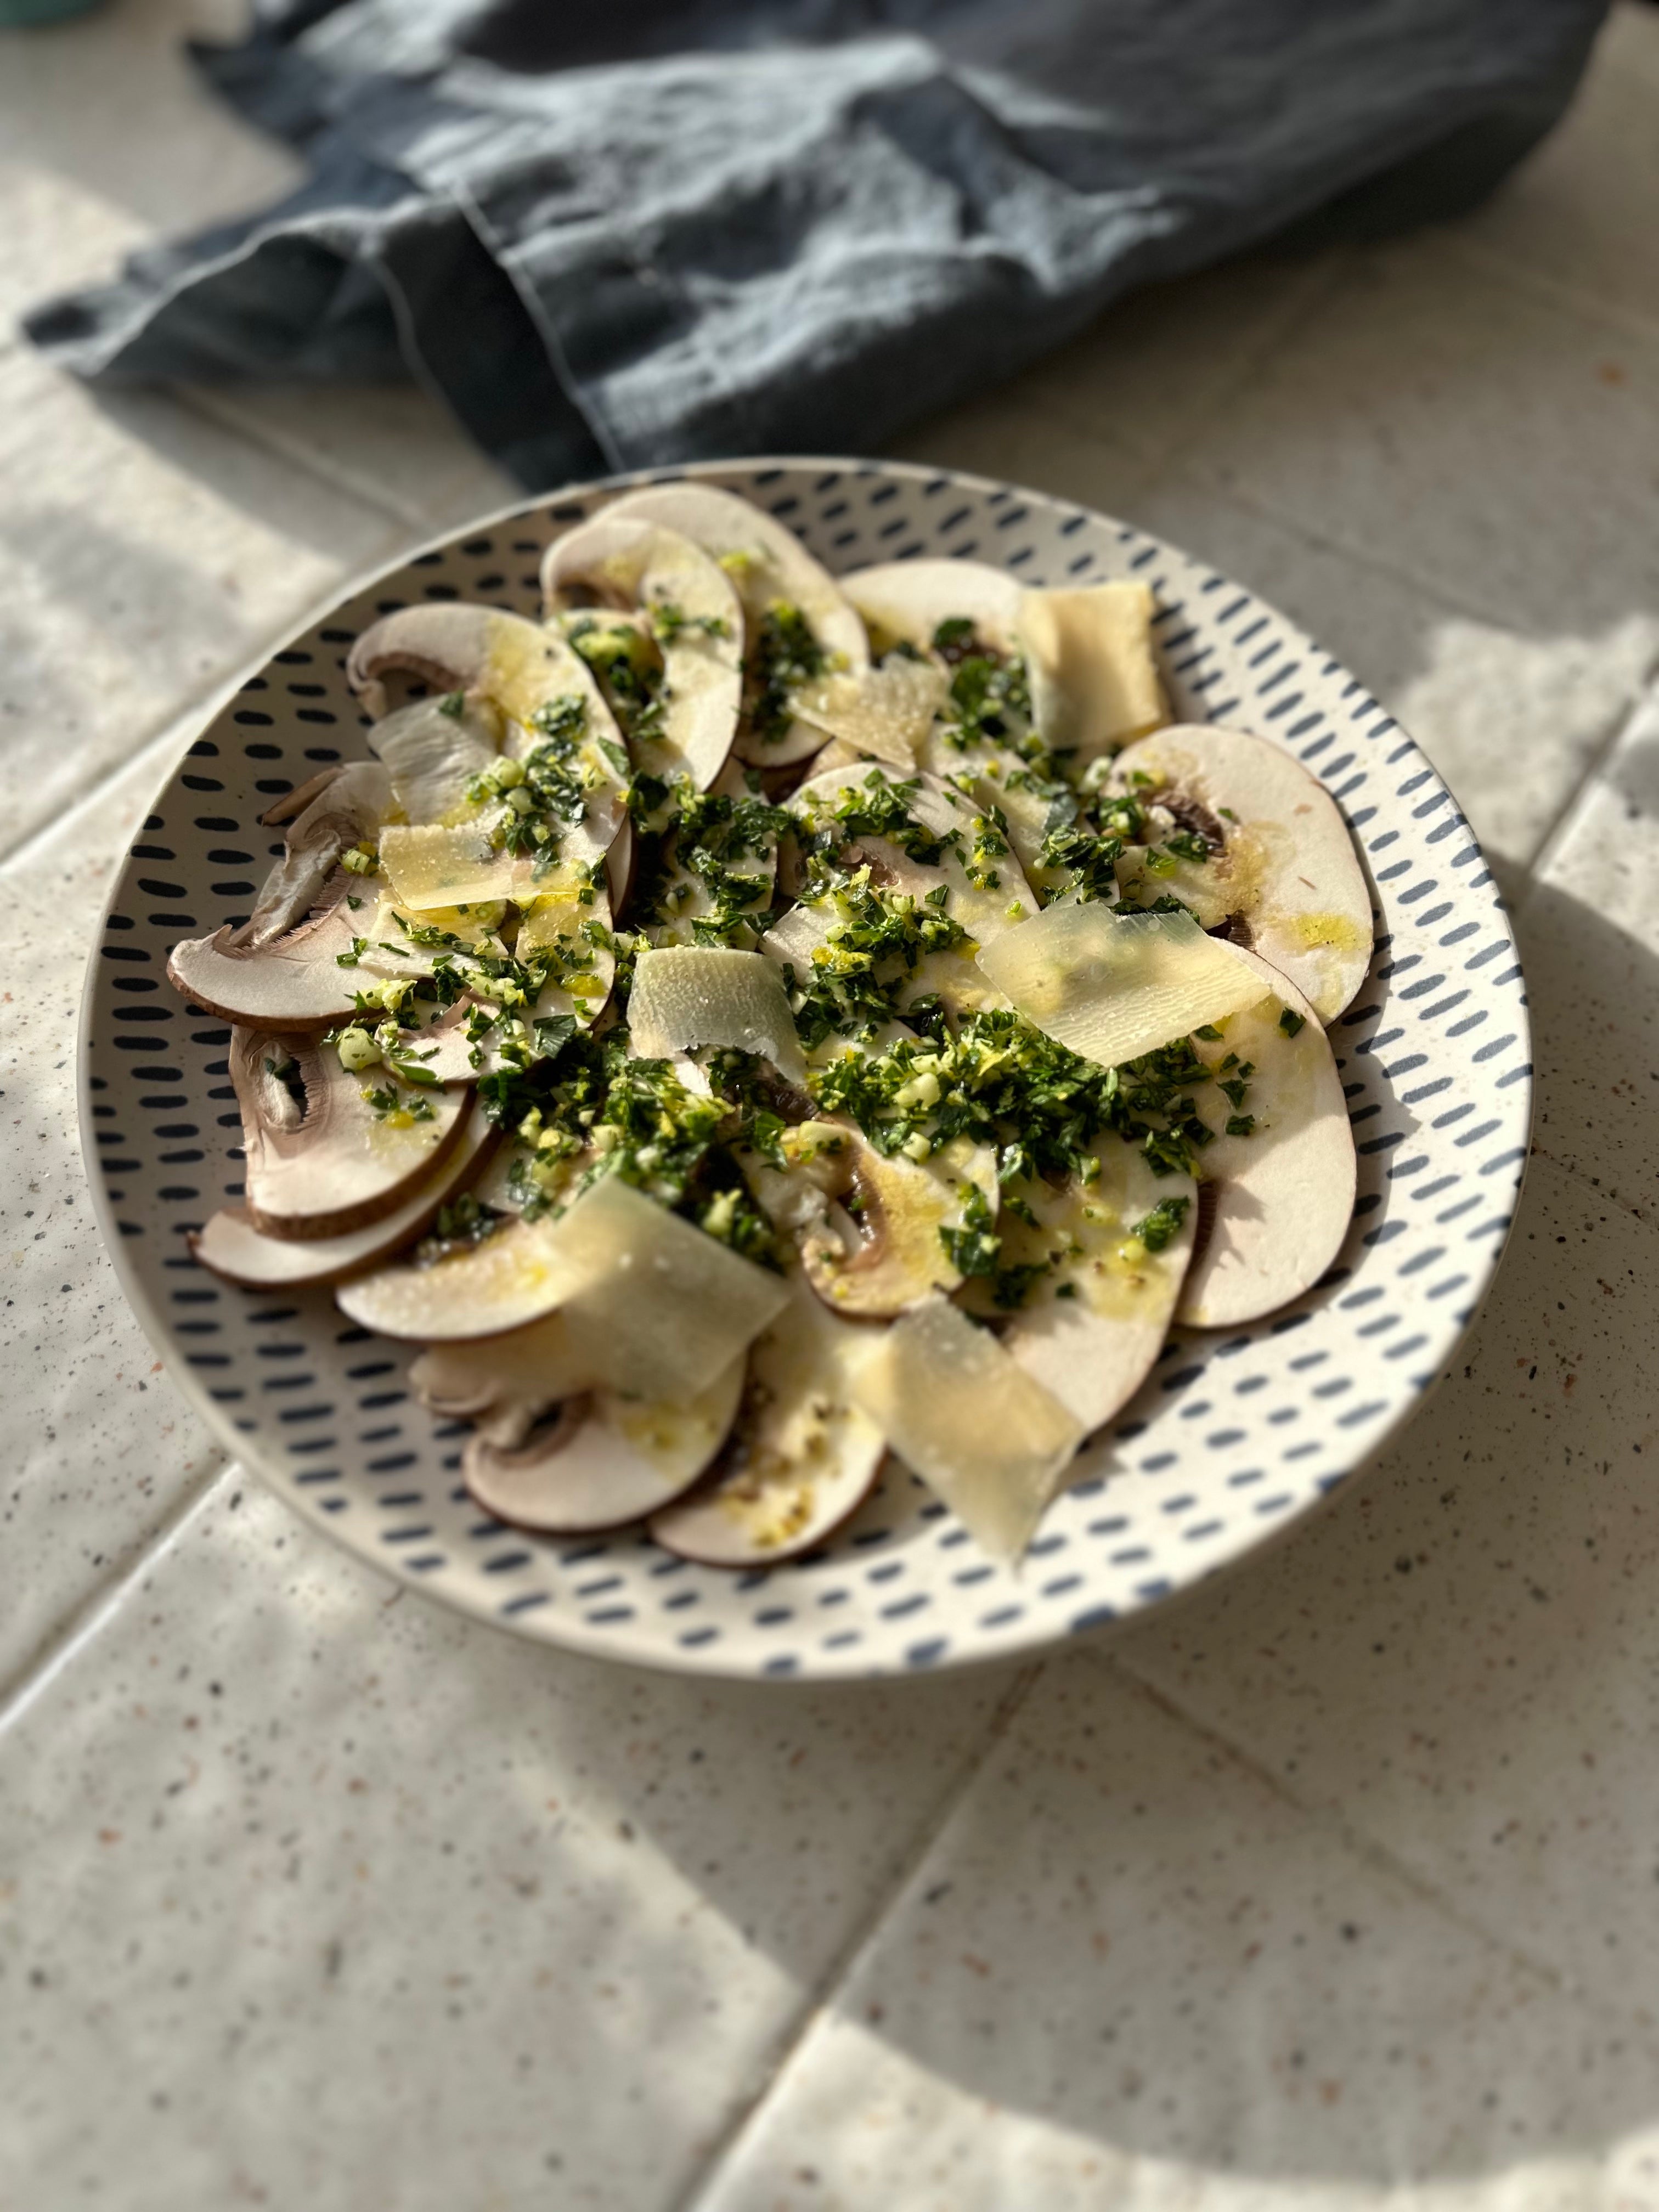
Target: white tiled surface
{"x": 1337, "y": 1884}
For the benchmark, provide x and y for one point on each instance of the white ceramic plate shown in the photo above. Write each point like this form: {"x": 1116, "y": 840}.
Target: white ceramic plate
{"x": 1234, "y": 1435}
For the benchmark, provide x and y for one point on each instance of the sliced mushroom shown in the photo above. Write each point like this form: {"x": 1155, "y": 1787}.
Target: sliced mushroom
{"x": 281, "y": 969}
{"x": 695, "y": 615}
{"x": 235, "y": 1250}
{"x": 767, "y": 564}
{"x": 667, "y": 1307}
{"x": 329, "y": 1160}
{"x": 1276, "y": 1203}
{"x": 904, "y": 602}
{"x": 1114, "y": 1251}
{"x": 619, "y": 861}
{"x": 1283, "y": 877}
{"x": 907, "y": 601}
{"x": 802, "y": 1457}
{"x": 883, "y": 1248}
{"x": 532, "y": 675}
{"x": 989, "y": 892}
{"x": 685, "y": 891}
{"x": 431, "y": 750}
{"x": 516, "y": 1275}
{"x": 566, "y": 931}
{"x": 601, "y": 1460}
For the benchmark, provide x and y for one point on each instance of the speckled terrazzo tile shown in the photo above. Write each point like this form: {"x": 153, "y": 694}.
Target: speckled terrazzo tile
{"x": 1005, "y": 437}
{"x": 313, "y": 1894}
{"x": 108, "y": 137}
{"x": 1130, "y": 1973}
{"x": 388, "y": 443}
{"x": 1589, "y": 931}
{"x": 98, "y": 1449}
{"x": 1155, "y": 363}
{"x": 1583, "y": 211}
{"x": 144, "y": 552}
{"x": 1461, "y": 1656}
{"x": 1436, "y": 416}
{"x": 1511, "y": 720}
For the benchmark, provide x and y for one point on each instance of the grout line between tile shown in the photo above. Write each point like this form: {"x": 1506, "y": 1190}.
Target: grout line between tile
{"x": 1211, "y": 483}
{"x": 1555, "y": 836}
{"x": 864, "y": 1934}
{"x": 62, "y": 1645}
{"x": 337, "y": 476}
{"x": 21, "y": 852}
{"x": 1566, "y": 298}
{"x": 1376, "y": 1855}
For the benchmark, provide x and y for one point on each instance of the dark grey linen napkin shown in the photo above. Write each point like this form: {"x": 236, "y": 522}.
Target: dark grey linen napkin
{"x": 614, "y": 235}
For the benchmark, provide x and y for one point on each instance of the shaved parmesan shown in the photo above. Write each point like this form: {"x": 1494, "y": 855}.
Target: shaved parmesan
{"x": 1094, "y": 677}
{"x": 884, "y": 711}
{"x": 434, "y": 866}
{"x": 687, "y": 995}
{"x": 671, "y": 1306}
{"x": 956, "y": 1408}
{"x": 1112, "y": 986}
{"x": 431, "y": 867}
{"x": 662, "y": 1308}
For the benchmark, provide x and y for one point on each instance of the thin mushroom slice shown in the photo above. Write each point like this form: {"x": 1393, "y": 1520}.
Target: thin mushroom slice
{"x": 282, "y": 968}
{"x": 602, "y": 1460}
{"x": 774, "y": 576}
{"x": 563, "y": 739}
{"x": 323, "y": 1157}
{"x": 905, "y": 602}
{"x": 666, "y": 1305}
{"x": 1276, "y": 1203}
{"x": 1282, "y": 877}
{"x": 289, "y": 983}
{"x": 231, "y": 1246}
{"x": 716, "y": 867}
{"x": 802, "y": 1457}
{"x": 689, "y": 607}
{"x": 565, "y": 936}
{"x": 976, "y": 609}
{"x": 951, "y": 845}
{"x": 893, "y": 1237}
{"x": 514, "y": 1275}
{"x": 1112, "y": 1253}
{"x": 431, "y": 750}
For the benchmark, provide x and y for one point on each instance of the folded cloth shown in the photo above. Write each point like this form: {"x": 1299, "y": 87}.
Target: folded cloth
{"x": 618, "y": 236}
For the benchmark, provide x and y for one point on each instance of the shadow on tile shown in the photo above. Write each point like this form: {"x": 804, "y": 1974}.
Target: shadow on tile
{"x": 1408, "y": 1936}
{"x": 1131, "y": 1970}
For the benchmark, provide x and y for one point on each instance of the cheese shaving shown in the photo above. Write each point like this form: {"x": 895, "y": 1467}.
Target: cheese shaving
{"x": 884, "y": 711}
{"x": 1112, "y": 987}
{"x": 689, "y": 995}
{"x": 1094, "y": 676}
{"x": 956, "y": 1408}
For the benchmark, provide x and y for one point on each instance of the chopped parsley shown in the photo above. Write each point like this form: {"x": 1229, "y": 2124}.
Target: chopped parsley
{"x": 1162, "y": 1224}
{"x": 669, "y": 621}
{"x": 878, "y": 807}
{"x": 786, "y": 654}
